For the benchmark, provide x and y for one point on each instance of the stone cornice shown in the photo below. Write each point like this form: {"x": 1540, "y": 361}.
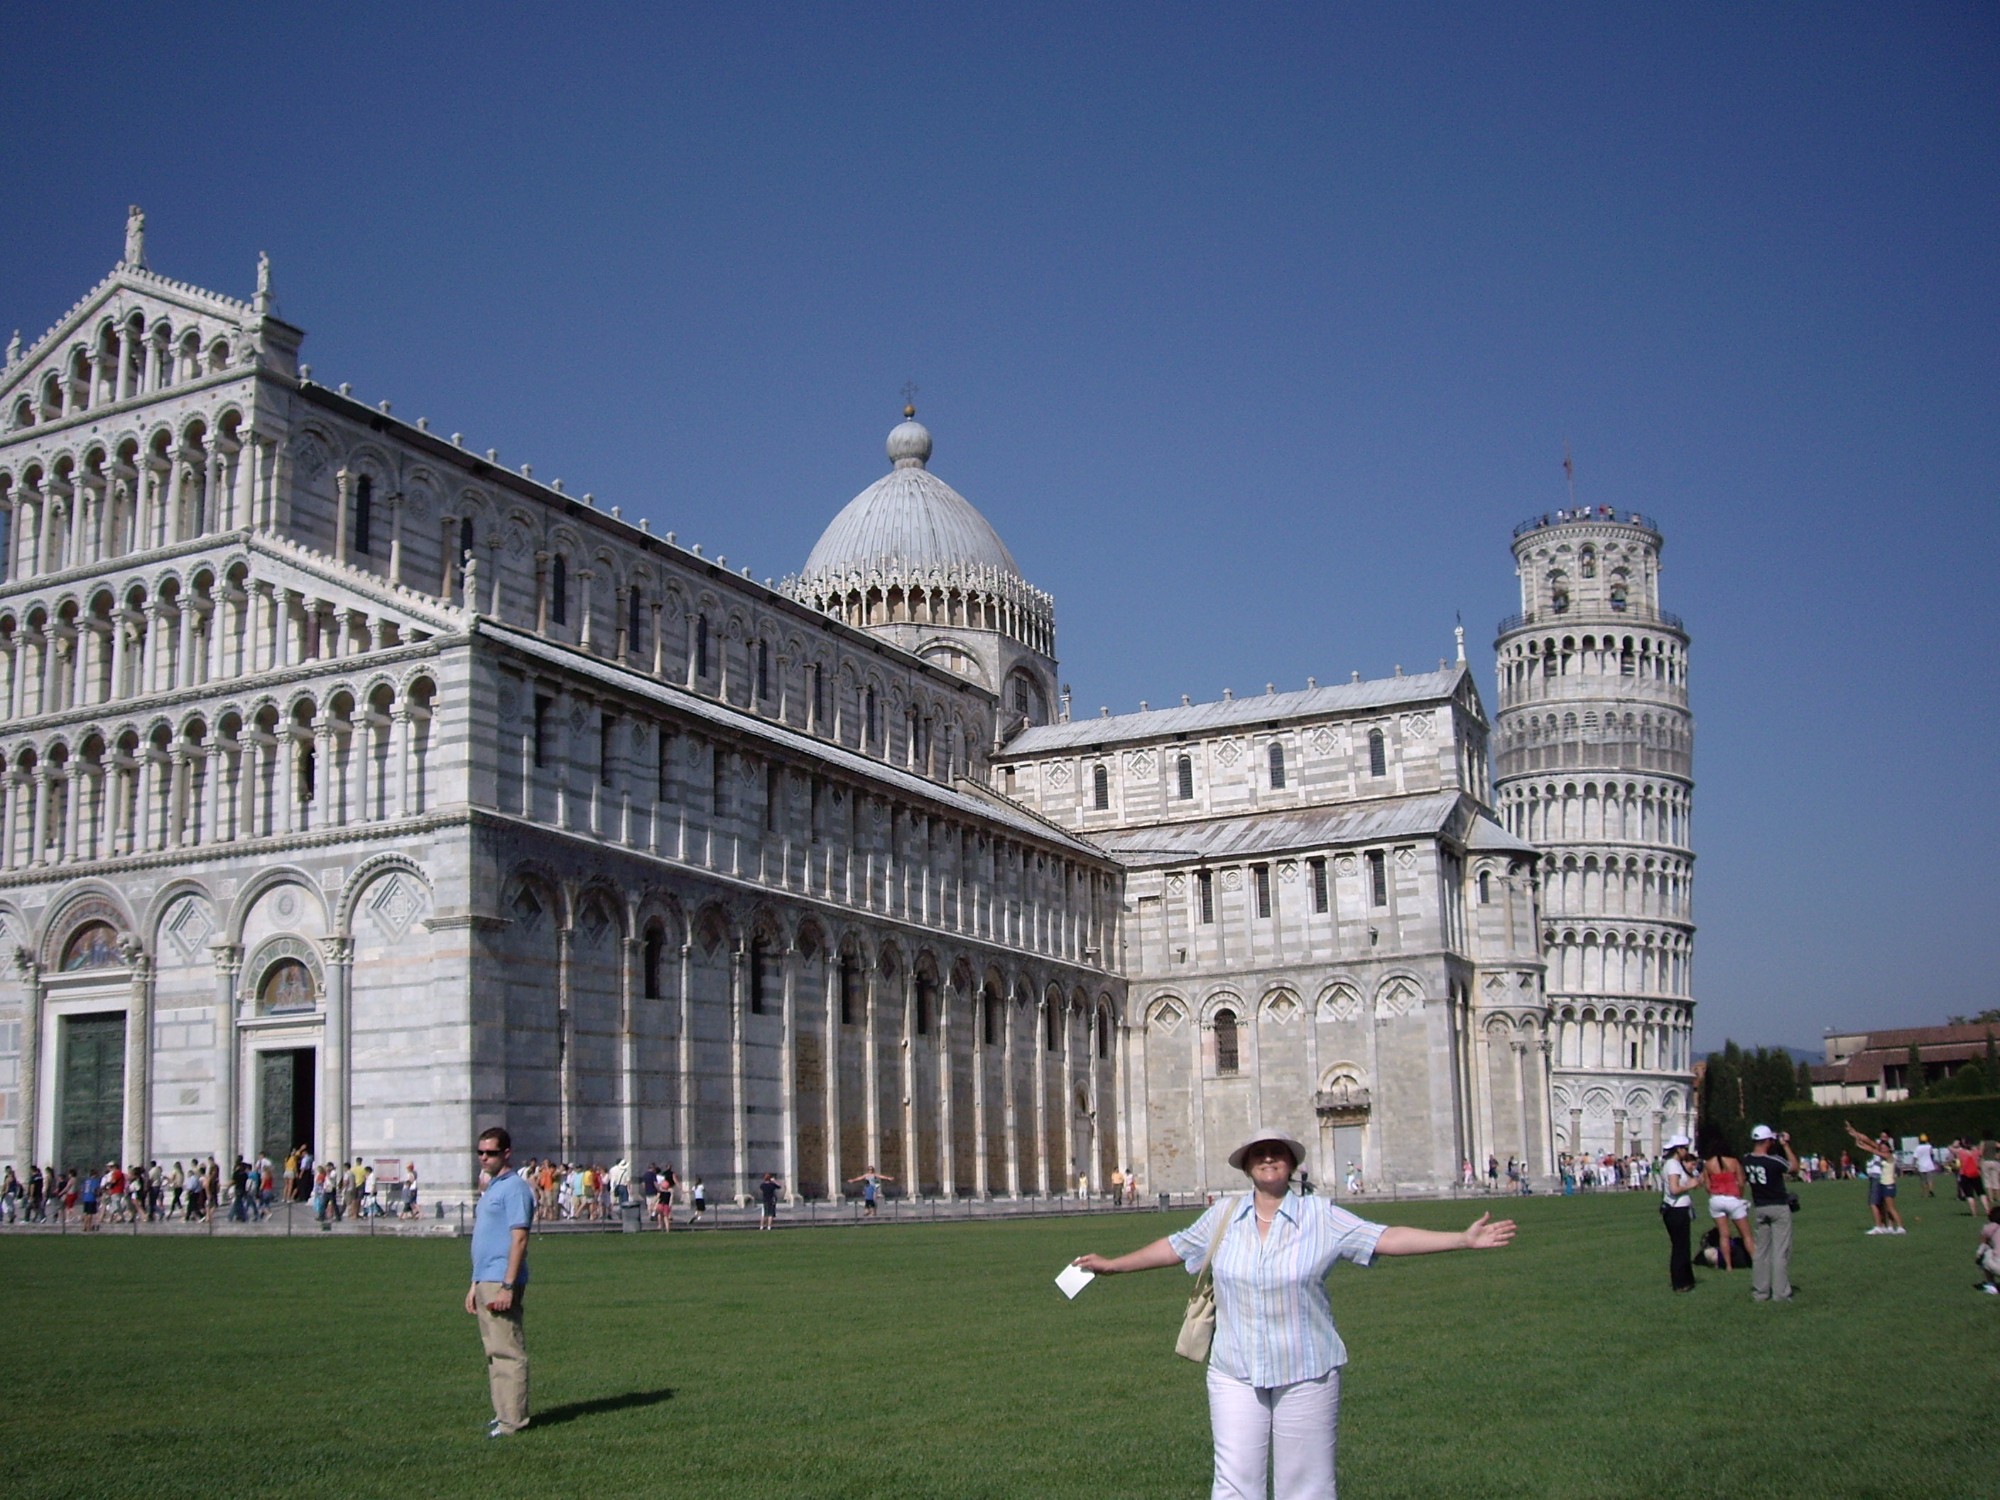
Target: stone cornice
{"x": 183, "y": 859}
{"x": 110, "y": 410}
{"x": 238, "y": 689}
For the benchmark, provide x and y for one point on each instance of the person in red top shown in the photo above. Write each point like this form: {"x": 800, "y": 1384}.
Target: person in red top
{"x": 1971, "y": 1187}
{"x": 1725, "y": 1203}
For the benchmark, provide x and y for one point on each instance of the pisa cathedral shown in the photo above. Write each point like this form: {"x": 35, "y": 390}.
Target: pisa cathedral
{"x": 359, "y": 791}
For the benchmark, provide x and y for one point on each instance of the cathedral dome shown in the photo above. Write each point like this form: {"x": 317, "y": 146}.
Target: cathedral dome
{"x": 909, "y": 523}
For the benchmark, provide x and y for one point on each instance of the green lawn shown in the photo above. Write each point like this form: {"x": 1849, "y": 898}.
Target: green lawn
{"x": 918, "y": 1361}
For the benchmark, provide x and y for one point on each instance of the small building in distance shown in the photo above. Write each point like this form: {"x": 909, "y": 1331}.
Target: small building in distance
{"x": 1873, "y": 1067}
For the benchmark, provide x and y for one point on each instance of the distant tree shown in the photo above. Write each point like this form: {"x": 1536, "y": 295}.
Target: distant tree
{"x": 1805, "y": 1081}
{"x": 1770, "y": 1082}
{"x": 1913, "y": 1072}
{"x": 1984, "y": 1017}
{"x": 1971, "y": 1079}
{"x": 1722, "y": 1099}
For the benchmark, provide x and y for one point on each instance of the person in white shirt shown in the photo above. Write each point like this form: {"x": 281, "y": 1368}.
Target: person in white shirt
{"x": 1680, "y": 1174}
{"x": 1274, "y": 1364}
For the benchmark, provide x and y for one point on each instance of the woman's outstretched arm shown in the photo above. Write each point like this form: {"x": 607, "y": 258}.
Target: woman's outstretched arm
{"x": 1151, "y": 1257}
{"x": 1485, "y": 1233}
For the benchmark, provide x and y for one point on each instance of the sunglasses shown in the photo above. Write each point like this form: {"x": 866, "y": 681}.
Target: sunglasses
{"x": 484, "y": 1152}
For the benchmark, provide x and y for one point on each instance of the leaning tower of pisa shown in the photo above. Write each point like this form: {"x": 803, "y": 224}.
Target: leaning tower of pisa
{"x": 1595, "y": 750}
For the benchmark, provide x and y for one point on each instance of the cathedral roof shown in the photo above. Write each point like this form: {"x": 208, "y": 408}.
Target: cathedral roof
{"x": 965, "y": 797}
{"x": 1225, "y": 713}
{"x": 909, "y": 523}
{"x": 1305, "y": 828}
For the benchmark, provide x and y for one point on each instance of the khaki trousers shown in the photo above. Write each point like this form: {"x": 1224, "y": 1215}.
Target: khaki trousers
{"x": 1771, "y": 1272}
{"x": 506, "y": 1357}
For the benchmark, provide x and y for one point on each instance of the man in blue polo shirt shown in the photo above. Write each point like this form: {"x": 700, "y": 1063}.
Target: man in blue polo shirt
{"x": 499, "y": 1278}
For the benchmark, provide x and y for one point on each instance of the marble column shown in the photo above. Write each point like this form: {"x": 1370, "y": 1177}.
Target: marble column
{"x": 1010, "y": 1110}
{"x": 336, "y": 1064}
{"x": 947, "y": 1176}
{"x": 630, "y": 956}
{"x": 565, "y": 1046}
{"x": 138, "y": 1057}
{"x": 30, "y": 1144}
{"x": 912, "y": 1158}
{"x": 788, "y": 1080}
{"x": 1041, "y": 1075}
{"x": 831, "y": 1060}
{"x": 870, "y": 1063}
{"x": 684, "y": 1063}
{"x": 343, "y": 506}
{"x": 228, "y": 966}
{"x": 739, "y": 1118}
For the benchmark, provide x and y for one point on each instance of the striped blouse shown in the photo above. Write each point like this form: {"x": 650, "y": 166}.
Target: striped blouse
{"x": 1273, "y": 1323}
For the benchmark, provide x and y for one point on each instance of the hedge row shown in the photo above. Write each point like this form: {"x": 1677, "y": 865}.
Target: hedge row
{"x": 1818, "y": 1127}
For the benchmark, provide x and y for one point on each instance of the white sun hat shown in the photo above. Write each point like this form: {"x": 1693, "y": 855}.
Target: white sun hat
{"x": 1276, "y": 1137}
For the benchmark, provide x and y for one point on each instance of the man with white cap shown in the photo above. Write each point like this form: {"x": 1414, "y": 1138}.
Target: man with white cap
{"x": 1679, "y": 1176}
{"x": 1274, "y": 1366}
{"x": 1771, "y": 1211}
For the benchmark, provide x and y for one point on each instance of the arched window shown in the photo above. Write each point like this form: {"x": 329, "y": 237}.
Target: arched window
{"x": 926, "y": 1005}
{"x": 1485, "y": 888}
{"x": 1051, "y": 1028}
{"x": 635, "y": 619}
{"x": 1378, "y": 753}
{"x": 1225, "y": 1042}
{"x": 1103, "y": 1034}
{"x": 1100, "y": 788}
{"x": 762, "y": 971}
{"x": 989, "y": 1019}
{"x": 701, "y": 645}
{"x": 763, "y": 669}
{"x": 850, "y": 989}
{"x": 466, "y": 539}
{"x": 1184, "y": 770}
{"x": 364, "y": 512}
{"x": 656, "y": 942}
{"x": 1277, "y": 767}
{"x": 1204, "y": 888}
{"x": 559, "y": 590}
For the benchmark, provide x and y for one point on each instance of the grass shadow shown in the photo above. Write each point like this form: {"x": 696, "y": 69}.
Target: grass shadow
{"x": 571, "y": 1411}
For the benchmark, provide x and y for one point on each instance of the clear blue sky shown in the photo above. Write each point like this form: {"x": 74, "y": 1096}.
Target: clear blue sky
{"x": 1253, "y": 329}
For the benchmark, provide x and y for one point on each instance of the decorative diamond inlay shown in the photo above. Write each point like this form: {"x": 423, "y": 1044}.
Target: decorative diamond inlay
{"x": 1340, "y": 1003}
{"x": 188, "y": 926}
{"x": 395, "y": 905}
{"x": 527, "y": 910}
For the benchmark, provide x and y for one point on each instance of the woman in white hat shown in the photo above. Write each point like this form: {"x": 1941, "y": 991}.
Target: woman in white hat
{"x": 1680, "y": 1175}
{"x": 1274, "y": 1366}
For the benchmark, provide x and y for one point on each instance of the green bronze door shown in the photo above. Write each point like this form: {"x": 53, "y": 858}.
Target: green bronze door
{"x": 91, "y": 1122}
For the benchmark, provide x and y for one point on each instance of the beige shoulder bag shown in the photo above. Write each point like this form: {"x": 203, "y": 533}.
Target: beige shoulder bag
{"x": 1198, "y": 1326}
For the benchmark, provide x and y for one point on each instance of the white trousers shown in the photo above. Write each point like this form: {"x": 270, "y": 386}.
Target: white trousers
{"x": 1285, "y": 1432}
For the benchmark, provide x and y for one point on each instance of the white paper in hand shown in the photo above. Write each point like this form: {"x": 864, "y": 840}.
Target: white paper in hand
{"x": 1074, "y": 1279}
